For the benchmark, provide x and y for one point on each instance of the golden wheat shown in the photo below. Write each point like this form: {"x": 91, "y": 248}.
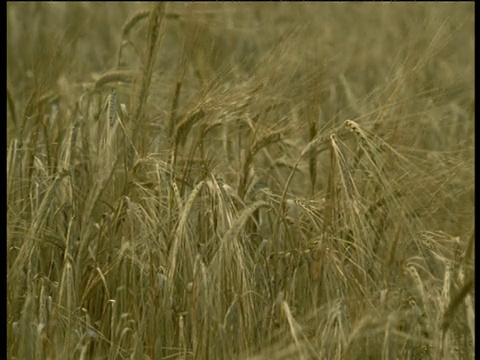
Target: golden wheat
{"x": 183, "y": 182}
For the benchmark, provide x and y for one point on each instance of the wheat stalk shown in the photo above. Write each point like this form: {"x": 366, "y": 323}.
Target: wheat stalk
{"x": 151, "y": 48}
{"x": 115, "y": 76}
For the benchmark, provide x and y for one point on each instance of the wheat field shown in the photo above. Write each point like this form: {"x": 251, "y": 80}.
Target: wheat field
{"x": 240, "y": 181}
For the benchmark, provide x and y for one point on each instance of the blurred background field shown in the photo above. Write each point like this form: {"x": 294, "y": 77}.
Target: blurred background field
{"x": 240, "y": 180}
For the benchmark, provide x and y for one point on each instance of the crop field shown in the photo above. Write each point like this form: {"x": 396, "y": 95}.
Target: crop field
{"x": 250, "y": 181}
